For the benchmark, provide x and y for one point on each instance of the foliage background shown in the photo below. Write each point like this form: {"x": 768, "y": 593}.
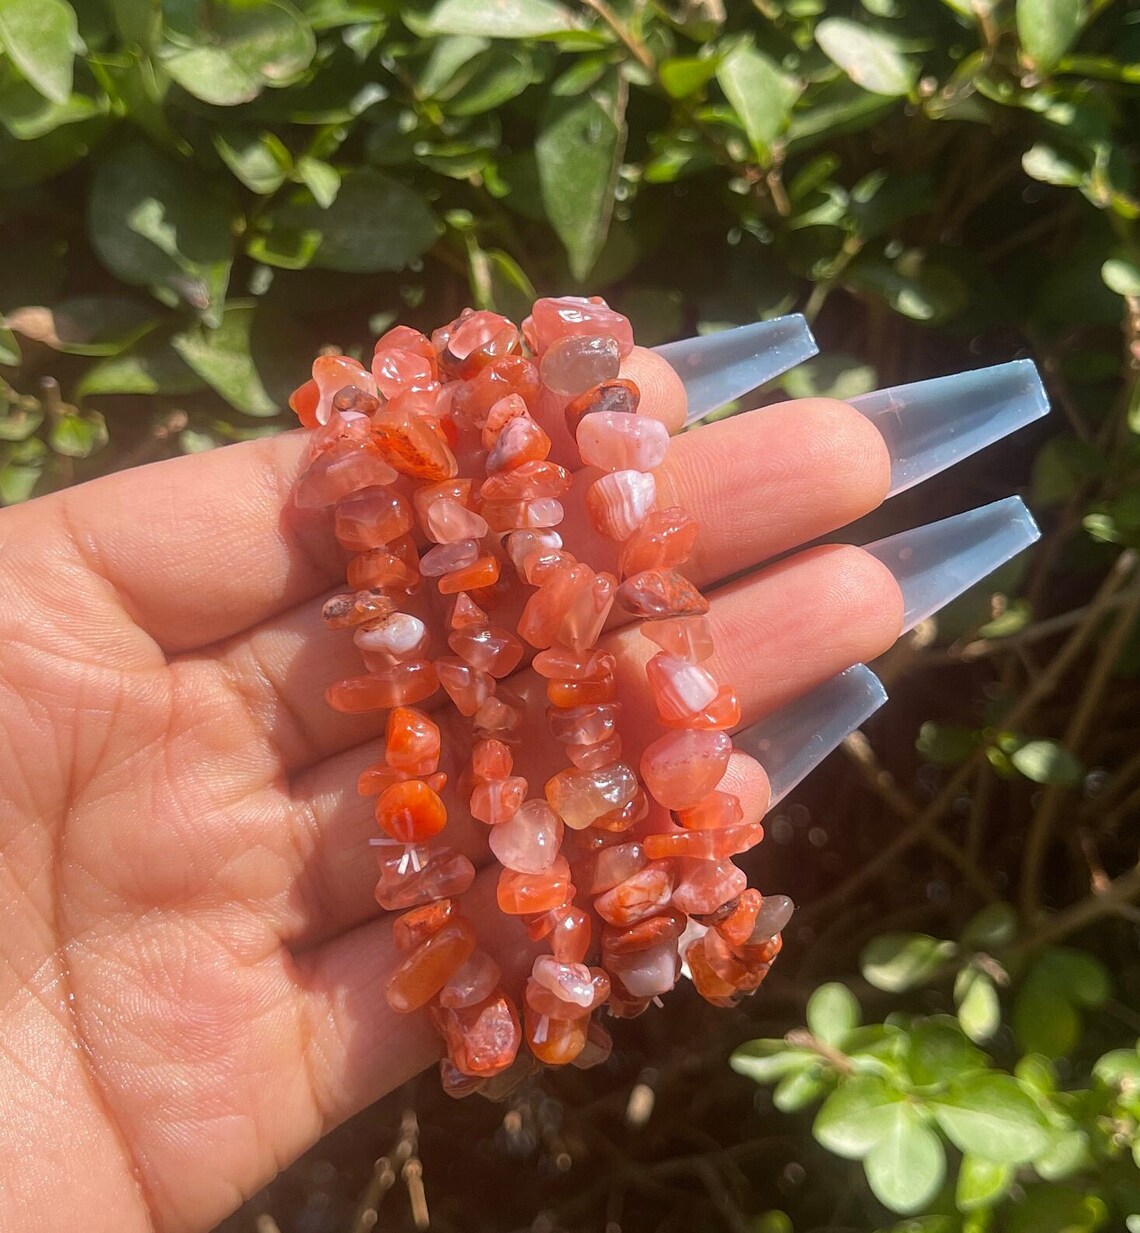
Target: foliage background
{"x": 197, "y": 194}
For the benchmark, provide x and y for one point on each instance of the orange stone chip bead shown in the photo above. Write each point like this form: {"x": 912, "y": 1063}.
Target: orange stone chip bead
{"x": 411, "y": 741}
{"x": 482, "y": 573}
{"x": 426, "y": 970}
{"x": 404, "y": 884}
{"x": 520, "y": 894}
{"x": 554, "y": 1041}
{"x": 411, "y": 812}
{"x": 482, "y": 1040}
{"x": 421, "y": 923}
{"x": 398, "y": 685}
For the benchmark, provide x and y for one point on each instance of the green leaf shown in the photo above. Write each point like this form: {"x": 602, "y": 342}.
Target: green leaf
{"x": 1122, "y": 275}
{"x": 879, "y": 202}
{"x": 191, "y": 441}
{"x": 1119, "y": 1068}
{"x": 227, "y": 51}
{"x": 991, "y": 928}
{"x": 860, "y": 1112}
{"x": 938, "y": 1052}
{"x": 447, "y": 65}
{"x": 871, "y": 58}
{"x": 1047, "y": 762}
{"x": 18, "y": 423}
{"x": 78, "y": 436}
{"x": 375, "y": 223}
{"x": 22, "y": 470}
{"x": 259, "y": 160}
{"x": 1044, "y": 1021}
{"x": 766, "y": 1061}
{"x": 247, "y": 359}
{"x": 981, "y": 1182}
{"x": 159, "y": 224}
{"x": 321, "y": 179}
{"x": 1056, "y": 1209}
{"x": 895, "y": 962}
{"x": 1036, "y": 1074}
{"x": 497, "y": 19}
{"x": 913, "y": 286}
{"x": 1046, "y": 29}
{"x": 801, "y": 1088}
{"x": 832, "y": 1012}
{"x": 829, "y": 376}
{"x": 26, "y": 114}
{"x": 41, "y": 38}
{"x": 685, "y": 75}
{"x": 1043, "y": 162}
{"x": 906, "y": 1166}
{"x": 946, "y": 744}
{"x": 760, "y": 94}
{"x": 1066, "y": 1152}
{"x": 152, "y": 367}
{"x": 990, "y": 1115}
{"x": 499, "y": 76}
{"x": 1077, "y": 975}
{"x": 86, "y": 325}
{"x": 579, "y": 150}
{"x": 979, "y": 1009}
{"x": 9, "y": 348}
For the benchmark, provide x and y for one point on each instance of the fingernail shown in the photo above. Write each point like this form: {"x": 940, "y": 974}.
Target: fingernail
{"x": 936, "y": 563}
{"x": 790, "y": 744}
{"x": 717, "y": 368}
{"x": 930, "y": 425}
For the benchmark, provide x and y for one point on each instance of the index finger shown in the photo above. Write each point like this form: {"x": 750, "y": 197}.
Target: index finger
{"x": 203, "y": 547}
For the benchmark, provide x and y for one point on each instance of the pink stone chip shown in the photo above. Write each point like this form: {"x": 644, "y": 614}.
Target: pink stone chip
{"x": 528, "y": 841}
{"x": 472, "y": 983}
{"x": 338, "y": 472}
{"x": 615, "y": 441}
{"x": 682, "y": 767}
{"x": 566, "y": 315}
{"x": 618, "y": 503}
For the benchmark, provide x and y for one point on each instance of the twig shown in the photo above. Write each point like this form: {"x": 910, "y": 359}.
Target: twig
{"x": 1045, "y": 818}
{"x": 806, "y": 1040}
{"x": 1107, "y": 902}
{"x": 880, "y": 780}
{"x": 1044, "y": 685}
{"x": 401, "y": 1162}
{"x": 981, "y": 648}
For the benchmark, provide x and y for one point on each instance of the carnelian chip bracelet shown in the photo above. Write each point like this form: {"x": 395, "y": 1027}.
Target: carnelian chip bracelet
{"x": 621, "y": 870}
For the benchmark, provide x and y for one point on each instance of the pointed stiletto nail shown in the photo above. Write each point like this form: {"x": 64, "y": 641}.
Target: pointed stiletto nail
{"x": 936, "y": 563}
{"x": 796, "y": 739}
{"x": 716, "y": 368}
{"x": 930, "y": 425}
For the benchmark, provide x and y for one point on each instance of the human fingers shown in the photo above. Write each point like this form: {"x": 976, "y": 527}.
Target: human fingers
{"x": 778, "y": 634}
{"x": 756, "y": 485}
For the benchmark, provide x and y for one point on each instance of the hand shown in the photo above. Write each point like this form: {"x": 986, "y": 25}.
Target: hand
{"x": 191, "y": 990}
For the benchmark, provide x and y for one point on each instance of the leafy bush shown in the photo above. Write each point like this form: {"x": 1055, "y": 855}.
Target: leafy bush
{"x": 938, "y": 1127}
{"x": 200, "y": 193}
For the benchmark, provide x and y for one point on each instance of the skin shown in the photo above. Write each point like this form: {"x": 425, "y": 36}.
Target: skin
{"x": 192, "y": 963}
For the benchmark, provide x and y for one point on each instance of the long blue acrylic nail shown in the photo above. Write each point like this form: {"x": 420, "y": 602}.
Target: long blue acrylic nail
{"x": 795, "y": 740}
{"x": 936, "y": 563}
{"x": 930, "y": 425}
{"x": 717, "y": 368}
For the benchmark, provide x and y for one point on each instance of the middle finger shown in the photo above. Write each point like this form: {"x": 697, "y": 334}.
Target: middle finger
{"x": 757, "y": 484}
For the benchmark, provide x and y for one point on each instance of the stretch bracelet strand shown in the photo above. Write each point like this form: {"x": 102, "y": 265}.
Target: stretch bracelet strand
{"x": 629, "y": 867}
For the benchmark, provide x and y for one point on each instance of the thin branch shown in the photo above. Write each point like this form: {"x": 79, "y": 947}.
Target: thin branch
{"x": 1110, "y": 901}
{"x": 881, "y": 781}
{"x": 1041, "y": 688}
{"x": 1045, "y": 818}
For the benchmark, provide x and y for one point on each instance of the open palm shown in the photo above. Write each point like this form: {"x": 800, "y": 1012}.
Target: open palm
{"x": 192, "y": 962}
